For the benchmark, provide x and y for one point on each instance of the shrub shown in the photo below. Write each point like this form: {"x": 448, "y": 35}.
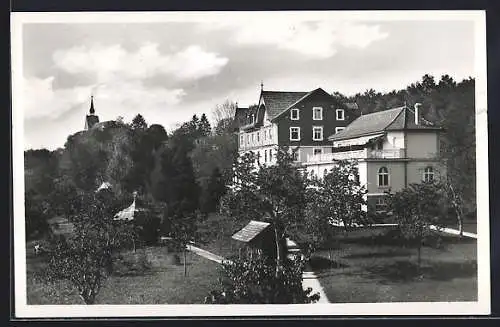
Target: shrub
{"x": 255, "y": 281}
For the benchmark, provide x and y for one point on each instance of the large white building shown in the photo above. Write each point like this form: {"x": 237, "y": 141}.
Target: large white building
{"x": 392, "y": 149}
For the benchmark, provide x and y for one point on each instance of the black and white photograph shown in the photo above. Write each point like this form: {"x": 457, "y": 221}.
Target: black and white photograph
{"x": 284, "y": 163}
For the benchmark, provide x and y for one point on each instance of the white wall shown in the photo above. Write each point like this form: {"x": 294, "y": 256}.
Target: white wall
{"x": 394, "y": 140}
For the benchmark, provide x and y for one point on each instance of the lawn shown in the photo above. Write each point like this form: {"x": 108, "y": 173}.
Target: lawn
{"x": 164, "y": 283}
{"x": 370, "y": 266}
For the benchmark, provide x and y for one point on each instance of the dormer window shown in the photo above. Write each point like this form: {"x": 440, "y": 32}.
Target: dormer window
{"x": 338, "y": 129}
{"x": 340, "y": 114}
{"x": 294, "y": 114}
{"x": 317, "y": 113}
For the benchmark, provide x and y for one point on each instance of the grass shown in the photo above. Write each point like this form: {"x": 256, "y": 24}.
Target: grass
{"x": 164, "y": 283}
{"x": 372, "y": 266}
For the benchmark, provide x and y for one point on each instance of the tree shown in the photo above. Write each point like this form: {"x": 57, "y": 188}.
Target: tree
{"x": 36, "y": 213}
{"x": 120, "y": 163}
{"x": 85, "y": 257}
{"x": 204, "y": 128}
{"x": 180, "y": 223}
{"x": 156, "y": 135}
{"x": 174, "y": 181}
{"x": 337, "y": 197}
{"x": 271, "y": 193}
{"x": 417, "y": 208}
{"x": 224, "y": 112}
{"x": 254, "y": 281}
{"x": 215, "y": 189}
{"x": 139, "y": 123}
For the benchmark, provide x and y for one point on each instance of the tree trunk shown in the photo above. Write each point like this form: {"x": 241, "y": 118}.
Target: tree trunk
{"x": 458, "y": 210}
{"x": 278, "y": 252}
{"x": 185, "y": 266}
{"x": 460, "y": 221}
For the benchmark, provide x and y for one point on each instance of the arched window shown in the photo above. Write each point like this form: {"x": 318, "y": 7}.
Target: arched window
{"x": 428, "y": 174}
{"x": 383, "y": 176}
{"x": 325, "y": 172}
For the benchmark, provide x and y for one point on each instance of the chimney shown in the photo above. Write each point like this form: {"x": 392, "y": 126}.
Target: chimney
{"x": 417, "y": 114}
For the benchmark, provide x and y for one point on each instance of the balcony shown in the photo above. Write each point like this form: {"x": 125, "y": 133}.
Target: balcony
{"x": 358, "y": 154}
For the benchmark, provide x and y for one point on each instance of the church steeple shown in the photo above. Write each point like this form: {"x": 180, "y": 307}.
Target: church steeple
{"x": 91, "y": 119}
{"x": 92, "y": 110}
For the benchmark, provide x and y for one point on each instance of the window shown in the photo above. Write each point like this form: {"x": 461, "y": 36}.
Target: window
{"x": 317, "y": 133}
{"x": 383, "y": 177}
{"x": 258, "y": 157}
{"x": 248, "y": 139}
{"x": 294, "y": 114}
{"x": 340, "y": 114}
{"x": 325, "y": 172}
{"x": 318, "y": 151}
{"x": 294, "y": 133}
{"x": 258, "y": 136}
{"x": 265, "y": 155}
{"x": 270, "y": 137}
{"x": 380, "y": 145}
{"x": 242, "y": 139}
{"x": 428, "y": 174}
{"x": 338, "y": 129}
{"x": 317, "y": 113}
{"x": 270, "y": 154}
{"x": 295, "y": 155}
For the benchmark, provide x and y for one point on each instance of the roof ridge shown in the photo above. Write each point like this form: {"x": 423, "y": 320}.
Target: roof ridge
{"x": 286, "y": 91}
{"x": 395, "y": 117}
{"x": 302, "y": 98}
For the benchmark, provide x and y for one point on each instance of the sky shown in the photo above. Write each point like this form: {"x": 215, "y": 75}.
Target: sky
{"x": 169, "y": 71}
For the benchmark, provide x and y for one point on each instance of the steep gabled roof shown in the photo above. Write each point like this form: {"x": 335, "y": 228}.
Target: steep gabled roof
{"x": 400, "y": 118}
{"x": 278, "y": 101}
{"x": 240, "y": 117}
{"x": 250, "y": 231}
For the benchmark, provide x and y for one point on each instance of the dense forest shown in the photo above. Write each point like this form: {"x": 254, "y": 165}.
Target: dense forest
{"x": 187, "y": 169}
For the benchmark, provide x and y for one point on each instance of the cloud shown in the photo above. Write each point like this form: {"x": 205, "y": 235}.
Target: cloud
{"x": 113, "y": 62}
{"x": 315, "y": 39}
{"x": 119, "y": 98}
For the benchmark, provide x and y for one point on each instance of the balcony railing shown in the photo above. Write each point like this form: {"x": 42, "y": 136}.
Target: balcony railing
{"x": 358, "y": 154}
{"x": 387, "y": 154}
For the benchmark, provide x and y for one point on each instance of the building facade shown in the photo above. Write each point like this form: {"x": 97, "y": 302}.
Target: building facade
{"x": 391, "y": 148}
{"x": 300, "y": 120}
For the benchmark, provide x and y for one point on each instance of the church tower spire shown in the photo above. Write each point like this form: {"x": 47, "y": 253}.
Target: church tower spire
{"x": 92, "y": 110}
{"x": 91, "y": 119}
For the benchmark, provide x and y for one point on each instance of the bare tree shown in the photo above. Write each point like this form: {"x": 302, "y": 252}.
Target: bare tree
{"x": 224, "y": 111}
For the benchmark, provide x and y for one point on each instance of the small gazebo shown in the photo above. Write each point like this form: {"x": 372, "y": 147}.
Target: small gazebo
{"x": 257, "y": 238}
